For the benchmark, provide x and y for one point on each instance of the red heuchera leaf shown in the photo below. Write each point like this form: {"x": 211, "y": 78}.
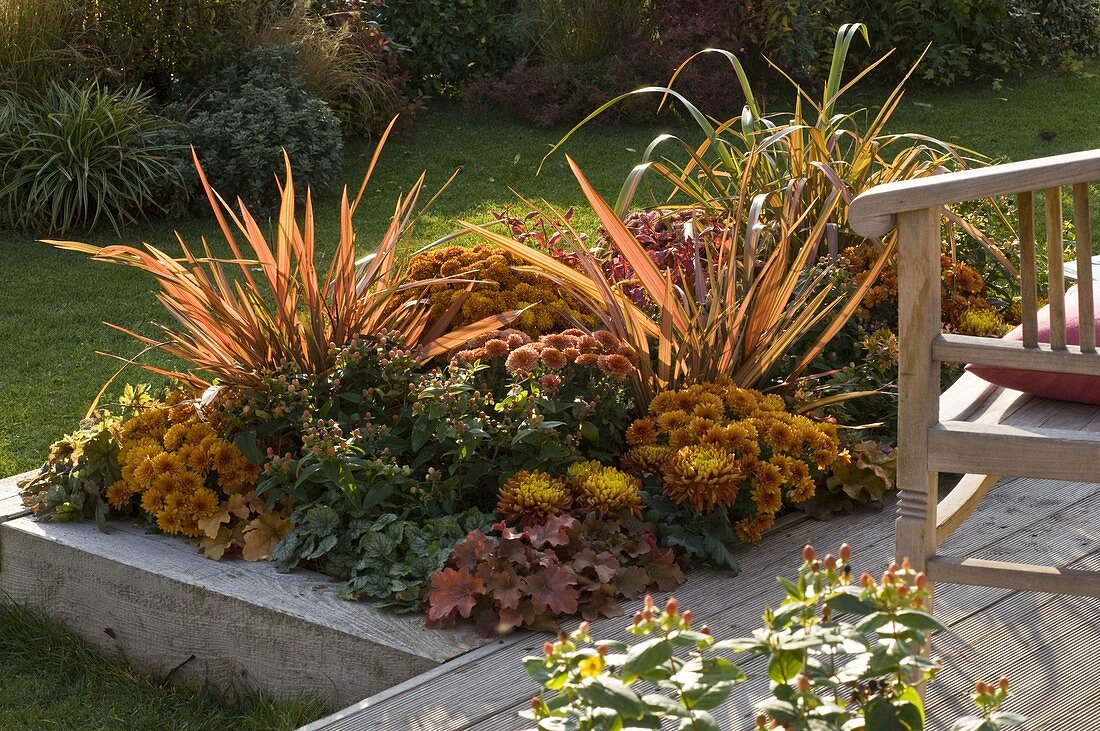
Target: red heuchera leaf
{"x": 523, "y": 615}
{"x": 552, "y": 588}
{"x": 506, "y": 589}
{"x": 514, "y": 551}
{"x": 453, "y": 591}
{"x": 665, "y": 573}
{"x": 633, "y": 582}
{"x": 603, "y": 602}
{"x": 475, "y": 547}
{"x": 554, "y": 532}
{"x": 604, "y": 566}
{"x": 505, "y": 531}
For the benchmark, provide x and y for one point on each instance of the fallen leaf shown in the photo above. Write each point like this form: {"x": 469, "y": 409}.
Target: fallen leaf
{"x": 262, "y": 534}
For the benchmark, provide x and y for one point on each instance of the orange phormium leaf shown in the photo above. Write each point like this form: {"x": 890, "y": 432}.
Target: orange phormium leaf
{"x": 230, "y": 324}
{"x": 453, "y": 592}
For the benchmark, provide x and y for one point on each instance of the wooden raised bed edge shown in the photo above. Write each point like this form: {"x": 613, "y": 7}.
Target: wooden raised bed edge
{"x": 230, "y": 625}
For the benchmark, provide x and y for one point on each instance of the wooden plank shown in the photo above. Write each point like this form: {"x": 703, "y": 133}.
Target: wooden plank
{"x": 1056, "y": 291}
{"x": 479, "y": 695}
{"x": 918, "y": 381}
{"x": 872, "y": 213}
{"x": 1027, "y": 577}
{"x": 1058, "y": 454}
{"x": 1012, "y": 354}
{"x": 967, "y": 395}
{"x": 225, "y": 623}
{"x": 11, "y": 504}
{"x": 953, "y": 510}
{"x": 1029, "y": 293}
{"x": 1082, "y": 228}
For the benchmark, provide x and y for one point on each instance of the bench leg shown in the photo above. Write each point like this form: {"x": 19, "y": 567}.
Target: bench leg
{"x": 915, "y": 533}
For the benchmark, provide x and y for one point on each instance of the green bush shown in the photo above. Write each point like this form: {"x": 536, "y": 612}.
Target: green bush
{"x": 447, "y": 42}
{"x": 79, "y": 154}
{"x": 255, "y": 110}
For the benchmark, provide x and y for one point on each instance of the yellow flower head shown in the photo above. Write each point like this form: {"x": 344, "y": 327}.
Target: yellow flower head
{"x": 670, "y": 421}
{"x": 704, "y": 476}
{"x": 608, "y": 490}
{"x": 119, "y": 495}
{"x": 203, "y": 503}
{"x": 645, "y": 458}
{"x": 533, "y": 497}
{"x": 590, "y": 666}
{"x": 642, "y": 431}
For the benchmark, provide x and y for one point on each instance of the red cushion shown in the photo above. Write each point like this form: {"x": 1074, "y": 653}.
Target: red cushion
{"x": 1060, "y": 386}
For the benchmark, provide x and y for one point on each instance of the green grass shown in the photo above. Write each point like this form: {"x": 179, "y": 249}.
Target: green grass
{"x": 53, "y": 304}
{"x": 49, "y": 679}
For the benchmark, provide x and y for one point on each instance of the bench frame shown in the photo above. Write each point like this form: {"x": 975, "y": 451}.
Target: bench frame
{"x": 934, "y": 437}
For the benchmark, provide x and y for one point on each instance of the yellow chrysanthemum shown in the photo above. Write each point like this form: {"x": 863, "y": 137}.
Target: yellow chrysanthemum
{"x": 642, "y": 431}
{"x": 663, "y": 402}
{"x": 607, "y": 489}
{"x": 670, "y": 421}
{"x": 751, "y": 530}
{"x": 768, "y": 497}
{"x": 645, "y": 458}
{"x": 169, "y": 523}
{"x": 166, "y": 463}
{"x": 533, "y": 497}
{"x": 119, "y": 494}
{"x": 704, "y": 476}
{"x": 203, "y": 503}
{"x": 173, "y": 438}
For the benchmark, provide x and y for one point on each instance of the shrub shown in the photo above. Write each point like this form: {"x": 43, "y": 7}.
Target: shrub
{"x": 81, "y": 154}
{"x": 256, "y": 110}
{"x": 448, "y": 43}
{"x": 340, "y": 64}
{"x": 290, "y": 315}
{"x": 40, "y": 44}
{"x": 826, "y": 673}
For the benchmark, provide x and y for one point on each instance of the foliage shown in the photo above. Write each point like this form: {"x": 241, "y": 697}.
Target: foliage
{"x": 257, "y": 111}
{"x": 81, "y": 154}
{"x": 772, "y": 199}
{"x": 40, "y": 43}
{"x": 975, "y": 38}
{"x": 727, "y": 461}
{"x": 340, "y": 63}
{"x": 529, "y": 577}
{"x": 449, "y": 42}
{"x": 386, "y": 559}
{"x": 575, "y": 378}
{"x": 572, "y": 31}
{"x": 379, "y": 433}
{"x": 290, "y": 315}
{"x": 825, "y": 674}
{"x": 488, "y": 281}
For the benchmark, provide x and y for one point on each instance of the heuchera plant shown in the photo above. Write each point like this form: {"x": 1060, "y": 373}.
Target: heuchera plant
{"x": 529, "y": 577}
{"x": 825, "y": 674}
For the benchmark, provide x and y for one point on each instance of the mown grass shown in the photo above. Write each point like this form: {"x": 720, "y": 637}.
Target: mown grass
{"x": 52, "y": 305}
{"x": 49, "y": 679}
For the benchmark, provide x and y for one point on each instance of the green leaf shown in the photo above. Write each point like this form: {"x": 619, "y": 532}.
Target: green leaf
{"x": 785, "y": 665}
{"x": 645, "y": 657}
{"x": 848, "y": 602}
{"x": 918, "y": 620}
{"x": 778, "y": 710}
{"x": 882, "y": 715}
{"x": 614, "y": 694}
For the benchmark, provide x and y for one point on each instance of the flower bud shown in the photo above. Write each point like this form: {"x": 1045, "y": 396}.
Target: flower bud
{"x": 672, "y": 606}
{"x": 845, "y": 552}
{"x": 688, "y": 617}
{"x": 808, "y": 553}
{"x": 830, "y": 562}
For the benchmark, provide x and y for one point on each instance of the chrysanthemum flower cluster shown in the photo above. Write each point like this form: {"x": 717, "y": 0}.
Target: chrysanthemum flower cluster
{"x": 176, "y": 467}
{"x": 502, "y": 285}
{"x": 716, "y": 446}
{"x": 553, "y": 353}
{"x": 533, "y": 497}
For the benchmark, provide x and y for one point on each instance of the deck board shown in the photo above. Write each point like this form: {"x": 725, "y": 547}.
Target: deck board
{"x": 11, "y": 504}
{"x": 1045, "y": 643}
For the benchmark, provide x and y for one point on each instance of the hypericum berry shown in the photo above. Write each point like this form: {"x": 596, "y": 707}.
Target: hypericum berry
{"x": 648, "y": 601}
{"x": 687, "y": 617}
{"x": 845, "y": 552}
{"x": 583, "y": 627}
{"x": 637, "y": 618}
{"x": 1003, "y": 684}
{"x": 830, "y": 562}
{"x": 920, "y": 580}
{"x": 866, "y": 580}
{"x": 601, "y": 650}
{"x": 705, "y": 629}
{"x": 536, "y": 704}
{"x": 808, "y": 553}
{"x": 672, "y": 606}
{"x": 803, "y": 684}
{"x": 647, "y": 614}
{"x": 903, "y": 591}
{"x": 548, "y": 648}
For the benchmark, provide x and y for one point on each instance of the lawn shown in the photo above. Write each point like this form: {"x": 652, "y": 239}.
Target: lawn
{"x": 54, "y": 303}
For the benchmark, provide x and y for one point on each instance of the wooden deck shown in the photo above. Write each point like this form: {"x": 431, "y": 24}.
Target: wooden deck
{"x": 1047, "y": 644}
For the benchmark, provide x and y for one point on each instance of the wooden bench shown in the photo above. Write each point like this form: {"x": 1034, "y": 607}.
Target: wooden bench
{"x": 977, "y": 429}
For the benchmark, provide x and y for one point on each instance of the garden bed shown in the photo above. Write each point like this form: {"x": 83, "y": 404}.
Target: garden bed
{"x": 230, "y": 624}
